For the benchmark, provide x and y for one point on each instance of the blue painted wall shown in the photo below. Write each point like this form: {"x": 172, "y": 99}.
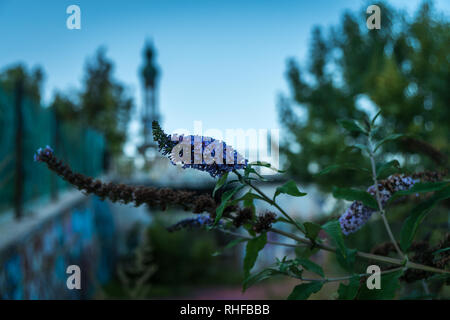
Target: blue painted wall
{"x": 35, "y": 267}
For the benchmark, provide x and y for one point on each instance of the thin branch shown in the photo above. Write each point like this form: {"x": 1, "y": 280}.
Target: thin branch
{"x": 369, "y": 256}
{"x": 270, "y": 201}
{"x": 349, "y": 276}
{"x": 292, "y": 245}
{"x": 378, "y": 197}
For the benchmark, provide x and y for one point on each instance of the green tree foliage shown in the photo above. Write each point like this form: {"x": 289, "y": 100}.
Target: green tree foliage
{"x": 403, "y": 69}
{"x": 32, "y": 80}
{"x": 102, "y": 104}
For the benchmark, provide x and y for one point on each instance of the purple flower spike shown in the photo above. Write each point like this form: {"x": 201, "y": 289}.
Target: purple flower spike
{"x": 201, "y": 153}
{"x": 358, "y": 214}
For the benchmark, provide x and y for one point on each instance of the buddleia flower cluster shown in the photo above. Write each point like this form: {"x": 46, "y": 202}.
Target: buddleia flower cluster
{"x": 199, "y": 152}
{"x": 358, "y": 213}
{"x": 189, "y": 223}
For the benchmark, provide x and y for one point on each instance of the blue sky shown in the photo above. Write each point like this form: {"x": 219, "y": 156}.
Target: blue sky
{"x": 223, "y": 62}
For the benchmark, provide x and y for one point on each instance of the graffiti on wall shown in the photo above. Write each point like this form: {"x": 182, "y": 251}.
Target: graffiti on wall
{"x": 35, "y": 267}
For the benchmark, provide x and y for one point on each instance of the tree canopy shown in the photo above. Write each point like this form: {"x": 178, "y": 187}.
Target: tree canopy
{"x": 402, "y": 69}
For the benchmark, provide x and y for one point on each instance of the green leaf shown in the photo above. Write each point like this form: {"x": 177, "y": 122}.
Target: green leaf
{"x": 375, "y": 118}
{"x": 258, "y": 277}
{"x": 417, "y": 215}
{"x": 249, "y": 196}
{"x": 225, "y": 198}
{"x": 355, "y": 195}
{"x": 293, "y": 222}
{"x": 440, "y": 251}
{"x": 333, "y": 229}
{"x": 441, "y": 276}
{"x": 352, "y": 126}
{"x": 303, "y": 291}
{"x": 290, "y": 268}
{"x": 289, "y": 188}
{"x": 267, "y": 165}
{"x": 251, "y": 252}
{"x": 388, "y": 138}
{"x": 230, "y": 245}
{"x": 362, "y": 147}
{"x": 220, "y": 183}
{"x": 335, "y": 167}
{"x": 249, "y": 170}
{"x": 389, "y": 285}
{"x": 305, "y": 252}
{"x": 329, "y": 169}
{"x": 345, "y": 256}
{"x": 420, "y": 188}
{"x": 347, "y": 261}
{"x": 388, "y": 168}
{"x": 349, "y": 291}
{"x": 312, "y": 230}
{"x": 310, "y": 266}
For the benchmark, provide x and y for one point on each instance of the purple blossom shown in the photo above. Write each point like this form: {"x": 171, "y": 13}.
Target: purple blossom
{"x": 198, "y": 152}
{"x": 47, "y": 151}
{"x": 203, "y": 155}
{"x": 198, "y": 222}
{"x": 358, "y": 214}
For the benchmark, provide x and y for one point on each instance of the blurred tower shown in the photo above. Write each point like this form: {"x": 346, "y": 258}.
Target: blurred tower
{"x": 149, "y": 74}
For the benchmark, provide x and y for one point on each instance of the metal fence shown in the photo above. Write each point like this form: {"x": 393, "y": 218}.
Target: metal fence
{"x": 26, "y": 126}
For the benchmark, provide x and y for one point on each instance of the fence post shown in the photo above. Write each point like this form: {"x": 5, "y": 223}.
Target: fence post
{"x": 19, "y": 172}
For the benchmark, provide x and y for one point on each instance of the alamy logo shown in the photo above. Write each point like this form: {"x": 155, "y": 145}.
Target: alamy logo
{"x": 253, "y": 144}
{"x": 74, "y": 20}
{"x": 374, "y": 280}
{"x": 74, "y": 280}
{"x": 374, "y": 20}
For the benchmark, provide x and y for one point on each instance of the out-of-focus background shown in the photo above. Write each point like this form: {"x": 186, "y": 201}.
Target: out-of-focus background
{"x": 91, "y": 94}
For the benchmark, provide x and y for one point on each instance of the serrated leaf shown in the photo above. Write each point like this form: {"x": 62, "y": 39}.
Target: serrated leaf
{"x": 251, "y": 252}
{"x": 351, "y": 194}
{"x": 258, "y": 277}
{"x": 388, "y": 168}
{"x": 303, "y": 291}
{"x": 389, "y": 285}
{"x": 225, "y": 198}
{"x": 417, "y": 215}
{"x": 349, "y": 291}
{"x": 420, "y": 187}
{"x": 220, "y": 183}
{"x": 289, "y": 188}
{"x": 352, "y": 126}
{"x": 312, "y": 230}
{"x": 310, "y": 266}
{"x": 388, "y": 138}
